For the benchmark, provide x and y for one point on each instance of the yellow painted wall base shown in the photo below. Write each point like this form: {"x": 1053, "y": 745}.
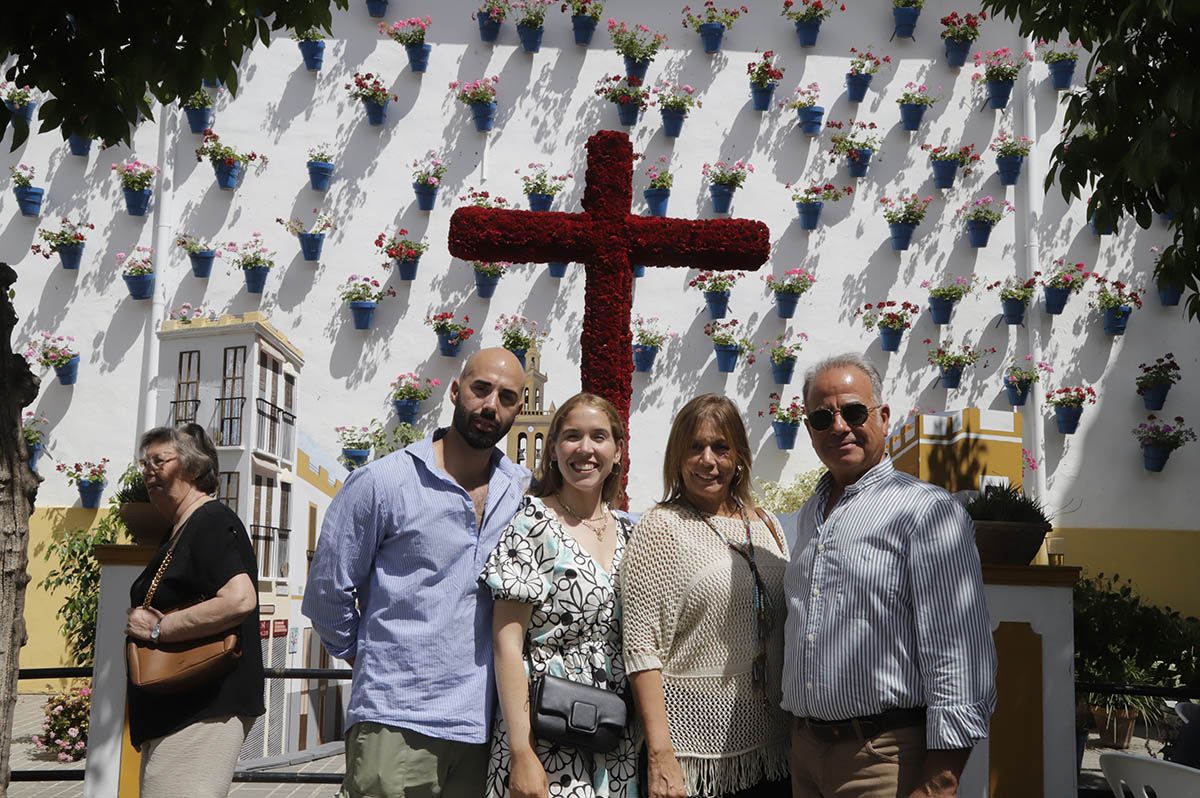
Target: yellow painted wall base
{"x": 1159, "y": 561}
{"x": 46, "y": 647}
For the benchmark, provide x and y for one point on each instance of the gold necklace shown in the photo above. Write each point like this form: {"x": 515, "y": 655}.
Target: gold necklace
{"x": 589, "y": 522}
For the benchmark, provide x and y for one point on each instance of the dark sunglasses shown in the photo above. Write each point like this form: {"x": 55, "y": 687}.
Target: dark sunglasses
{"x": 855, "y": 414}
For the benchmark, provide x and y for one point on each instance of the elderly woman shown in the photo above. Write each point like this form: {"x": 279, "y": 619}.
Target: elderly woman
{"x": 702, "y": 587}
{"x": 206, "y": 588}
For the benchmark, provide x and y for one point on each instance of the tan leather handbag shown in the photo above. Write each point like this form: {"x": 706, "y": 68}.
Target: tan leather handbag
{"x": 164, "y": 668}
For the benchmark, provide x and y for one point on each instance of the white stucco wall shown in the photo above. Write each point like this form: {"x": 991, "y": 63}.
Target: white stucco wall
{"x": 546, "y": 112}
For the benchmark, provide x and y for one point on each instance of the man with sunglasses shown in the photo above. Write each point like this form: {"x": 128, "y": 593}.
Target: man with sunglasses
{"x": 889, "y": 665}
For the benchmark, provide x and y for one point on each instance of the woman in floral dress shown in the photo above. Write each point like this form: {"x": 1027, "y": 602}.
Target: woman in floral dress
{"x": 553, "y": 576}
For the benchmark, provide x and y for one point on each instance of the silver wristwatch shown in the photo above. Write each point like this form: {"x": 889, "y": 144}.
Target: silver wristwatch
{"x": 156, "y": 631}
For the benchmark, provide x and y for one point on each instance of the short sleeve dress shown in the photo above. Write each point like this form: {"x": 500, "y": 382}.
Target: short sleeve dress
{"x": 574, "y": 633}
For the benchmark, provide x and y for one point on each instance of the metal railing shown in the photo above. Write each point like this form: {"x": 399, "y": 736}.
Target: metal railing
{"x": 184, "y": 411}
{"x": 271, "y": 550}
{"x": 229, "y": 413}
{"x": 276, "y": 431}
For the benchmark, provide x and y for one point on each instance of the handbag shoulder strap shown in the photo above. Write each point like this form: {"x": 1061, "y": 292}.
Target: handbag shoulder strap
{"x": 766, "y": 519}
{"x": 162, "y": 569}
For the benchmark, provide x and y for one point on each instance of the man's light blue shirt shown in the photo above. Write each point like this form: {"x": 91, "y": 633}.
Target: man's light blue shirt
{"x": 394, "y": 585}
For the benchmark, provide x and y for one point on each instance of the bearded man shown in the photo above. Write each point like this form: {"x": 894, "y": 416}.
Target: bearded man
{"x": 394, "y": 591}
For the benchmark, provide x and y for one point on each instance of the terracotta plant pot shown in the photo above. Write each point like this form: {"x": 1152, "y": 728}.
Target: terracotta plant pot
{"x": 1009, "y": 542}
{"x": 145, "y": 524}
{"x": 1116, "y": 727}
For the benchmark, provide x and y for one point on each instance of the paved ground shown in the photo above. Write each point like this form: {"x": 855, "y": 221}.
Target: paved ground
{"x": 28, "y": 721}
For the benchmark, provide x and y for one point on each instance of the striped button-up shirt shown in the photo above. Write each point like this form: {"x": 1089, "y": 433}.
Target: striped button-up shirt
{"x": 394, "y": 584}
{"x": 886, "y": 609}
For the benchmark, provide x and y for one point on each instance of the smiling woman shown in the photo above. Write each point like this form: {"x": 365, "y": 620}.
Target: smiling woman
{"x": 702, "y": 583}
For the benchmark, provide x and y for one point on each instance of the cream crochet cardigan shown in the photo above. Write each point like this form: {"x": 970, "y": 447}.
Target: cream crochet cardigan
{"x": 688, "y": 604}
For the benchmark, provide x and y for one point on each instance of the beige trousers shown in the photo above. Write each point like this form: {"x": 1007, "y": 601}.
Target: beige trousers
{"x": 197, "y": 761}
{"x": 885, "y": 766}
{"x": 390, "y": 762}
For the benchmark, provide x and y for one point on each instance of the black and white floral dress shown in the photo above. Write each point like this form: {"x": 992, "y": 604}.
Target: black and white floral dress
{"x": 574, "y": 633}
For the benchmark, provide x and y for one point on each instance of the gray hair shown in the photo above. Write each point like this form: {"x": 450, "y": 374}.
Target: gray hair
{"x": 846, "y": 360}
{"x": 195, "y": 450}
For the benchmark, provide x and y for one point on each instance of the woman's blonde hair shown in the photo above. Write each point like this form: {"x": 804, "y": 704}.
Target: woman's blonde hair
{"x": 726, "y": 417}
{"x": 549, "y": 480}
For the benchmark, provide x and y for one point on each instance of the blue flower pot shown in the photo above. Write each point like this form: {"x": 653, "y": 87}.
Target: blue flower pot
{"x": 198, "y": 119}
{"x": 889, "y": 338}
{"x": 639, "y": 271}
{"x": 540, "y": 202}
{"x": 313, "y": 54}
{"x": 256, "y": 279}
{"x": 519, "y": 354}
{"x": 643, "y": 357}
{"x": 1154, "y": 458}
{"x": 363, "y": 313}
{"x": 583, "y": 26}
{"x": 1169, "y": 294}
{"x": 1013, "y": 311}
{"x": 35, "y": 454}
{"x": 407, "y": 269}
{"x": 810, "y": 214}
{"x": 137, "y": 202}
{"x": 1115, "y": 320}
{"x": 1009, "y": 168}
{"x": 717, "y": 303}
{"x": 783, "y": 372}
{"x": 1018, "y": 391}
{"x": 29, "y": 199}
{"x": 906, "y": 22}
{"x": 557, "y": 269}
{"x": 418, "y": 56}
{"x": 636, "y": 69}
{"x": 940, "y": 309}
{"x": 24, "y": 112}
{"x": 531, "y": 38}
{"x": 356, "y": 458}
{"x": 944, "y": 173}
{"x": 485, "y": 285}
{"x": 999, "y": 92}
{"x": 810, "y": 119}
{"x": 951, "y": 377}
{"x": 672, "y": 120}
{"x": 902, "y": 234}
{"x": 911, "y": 114}
{"x": 377, "y": 8}
{"x": 376, "y": 112}
{"x": 489, "y": 29}
{"x": 761, "y": 96}
{"x": 785, "y": 304}
{"x": 957, "y": 51}
{"x": 1100, "y": 228}
{"x": 211, "y": 83}
{"x": 1056, "y": 299}
{"x": 227, "y": 175}
{"x": 79, "y": 145}
{"x": 722, "y": 197}
{"x": 656, "y": 200}
{"x": 202, "y": 263}
{"x": 856, "y": 86}
{"x": 90, "y": 492}
{"x": 406, "y": 410}
{"x": 141, "y": 286}
{"x": 856, "y": 165}
{"x": 1155, "y": 396}
{"x": 484, "y": 115}
{"x": 711, "y": 34}
{"x": 319, "y": 174}
{"x": 426, "y": 196}
{"x": 978, "y": 232}
{"x": 785, "y": 433}
{"x": 1061, "y": 74}
{"x": 448, "y": 344}
{"x": 310, "y": 245}
{"x": 69, "y": 373}
{"x": 70, "y": 256}
{"x": 627, "y": 113}
{"x": 727, "y": 357}
{"x": 807, "y": 30}
{"x": 1067, "y": 418}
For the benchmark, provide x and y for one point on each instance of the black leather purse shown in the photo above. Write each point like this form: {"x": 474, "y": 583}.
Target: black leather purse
{"x": 578, "y": 715}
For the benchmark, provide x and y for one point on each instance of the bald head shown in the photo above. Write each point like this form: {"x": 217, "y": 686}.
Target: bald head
{"x": 487, "y": 397}
{"x": 491, "y": 359}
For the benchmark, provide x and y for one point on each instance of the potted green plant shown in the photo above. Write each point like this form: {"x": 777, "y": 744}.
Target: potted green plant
{"x": 1159, "y": 438}
{"x": 312, "y": 239}
{"x": 856, "y": 145}
{"x": 951, "y": 361}
{"x": 716, "y": 287}
{"x": 724, "y": 179}
{"x": 518, "y": 334}
{"x": 1009, "y": 525}
{"x": 729, "y": 341}
{"x": 637, "y": 45}
{"x": 807, "y": 15}
{"x": 363, "y": 294}
{"x": 711, "y": 23}
{"x": 943, "y": 297}
{"x": 811, "y": 200}
{"x": 1116, "y": 301}
{"x": 903, "y": 214}
{"x": 147, "y": 526}
{"x": 33, "y": 434}
{"x": 1066, "y": 279}
{"x": 1156, "y": 380}
{"x": 674, "y": 101}
{"x": 541, "y": 186}
{"x": 228, "y": 164}
{"x": 946, "y": 161}
{"x": 480, "y": 96}
{"x": 785, "y": 420}
{"x": 783, "y": 352}
{"x": 789, "y": 288}
{"x": 198, "y": 108}
{"x": 410, "y": 33}
{"x": 765, "y": 75}
{"x": 649, "y": 335}
{"x": 67, "y": 241}
{"x": 312, "y": 47}
{"x": 138, "y": 271}
{"x": 808, "y": 113}
{"x": 913, "y": 102}
{"x": 626, "y": 93}
{"x": 374, "y": 95}
{"x": 1015, "y": 296}
{"x": 585, "y": 15}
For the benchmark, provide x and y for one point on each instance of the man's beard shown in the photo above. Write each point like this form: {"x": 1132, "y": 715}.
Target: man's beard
{"x": 478, "y": 439}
